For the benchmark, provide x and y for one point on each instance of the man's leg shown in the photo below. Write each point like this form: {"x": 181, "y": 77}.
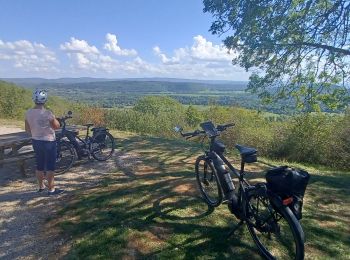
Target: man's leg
{"x": 40, "y": 163}
{"x": 40, "y": 176}
{"x": 50, "y": 166}
{"x": 50, "y": 180}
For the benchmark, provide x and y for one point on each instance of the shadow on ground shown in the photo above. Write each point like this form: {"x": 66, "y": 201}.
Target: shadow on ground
{"x": 149, "y": 207}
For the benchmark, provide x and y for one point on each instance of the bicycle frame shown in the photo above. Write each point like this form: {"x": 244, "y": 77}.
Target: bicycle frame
{"x": 74, "y": 138}
{"x": 220, "y": 161}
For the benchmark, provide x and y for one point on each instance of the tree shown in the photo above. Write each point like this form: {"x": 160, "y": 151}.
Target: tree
{"x": 296, "y": 49}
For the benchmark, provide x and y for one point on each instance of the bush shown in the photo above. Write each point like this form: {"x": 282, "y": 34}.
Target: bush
{"x": 314, "y": 138}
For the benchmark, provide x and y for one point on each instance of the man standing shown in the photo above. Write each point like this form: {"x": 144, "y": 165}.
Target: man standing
{"x": 41, "y": 124}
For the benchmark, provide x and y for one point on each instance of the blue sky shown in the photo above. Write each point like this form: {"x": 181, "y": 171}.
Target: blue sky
{"x": 114, "y": 39}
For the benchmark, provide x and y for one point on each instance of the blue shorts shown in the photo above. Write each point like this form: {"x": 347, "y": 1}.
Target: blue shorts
{"x": 45, "y": 155}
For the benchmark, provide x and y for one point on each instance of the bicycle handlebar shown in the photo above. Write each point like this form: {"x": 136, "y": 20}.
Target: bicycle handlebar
{"x": 189, "y": 135}
{"x": 224, "y": 127}
{"x": 62, "y": 120}
{"x": 197, "y": 132}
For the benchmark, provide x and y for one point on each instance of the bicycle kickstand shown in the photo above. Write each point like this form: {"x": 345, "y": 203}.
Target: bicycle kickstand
{"x": 235, "y": 228}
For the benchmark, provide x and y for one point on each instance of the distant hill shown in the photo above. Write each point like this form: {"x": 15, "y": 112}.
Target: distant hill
{"x": 34, "y": 82}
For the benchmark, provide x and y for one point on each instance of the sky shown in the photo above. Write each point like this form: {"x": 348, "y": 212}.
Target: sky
{"x": 112, "y": 39}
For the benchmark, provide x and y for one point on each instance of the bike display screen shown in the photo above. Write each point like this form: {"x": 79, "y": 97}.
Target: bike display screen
{"x": 209, "y": 128}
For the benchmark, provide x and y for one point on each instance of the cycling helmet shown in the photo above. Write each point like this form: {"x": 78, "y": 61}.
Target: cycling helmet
{"x": 39, "y": 96}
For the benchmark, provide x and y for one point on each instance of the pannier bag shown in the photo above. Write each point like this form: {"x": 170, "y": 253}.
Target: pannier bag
{"x": 98, "y": 130}
{"x": 289, "y": 182}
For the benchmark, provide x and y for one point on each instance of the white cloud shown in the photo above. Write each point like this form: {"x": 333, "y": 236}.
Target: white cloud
{"x": 78, "y": 46}
{"x": 112, "y": 45}
{"x": 200, "y": 51}
{"x": 205, "y": 50}
{"x": 201, "y": 59}
{"x": 27, "y": 56}
{"x": 87, "y": 57}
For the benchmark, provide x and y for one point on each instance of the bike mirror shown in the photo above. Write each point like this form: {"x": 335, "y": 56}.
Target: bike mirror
{"x": 70, "y": 113}
{"x": 178, "y": 128}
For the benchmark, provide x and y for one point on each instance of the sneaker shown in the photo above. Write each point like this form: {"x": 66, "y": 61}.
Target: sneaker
{"x": 41, "y": 190}
{"x": 55, "y": 192}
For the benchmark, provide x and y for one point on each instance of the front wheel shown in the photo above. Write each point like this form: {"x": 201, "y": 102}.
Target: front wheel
{"x": 208, "y": 182}
{"x": 275, "y": 230}
{"x": 66, "y": 156}
{"x": 102, "y": 146}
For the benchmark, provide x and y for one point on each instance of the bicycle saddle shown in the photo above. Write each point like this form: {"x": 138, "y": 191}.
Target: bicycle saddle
{"x": 245, "y": 151}
{"x": 88, "y": 125}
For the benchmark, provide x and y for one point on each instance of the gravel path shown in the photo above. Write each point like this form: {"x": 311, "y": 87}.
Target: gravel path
{"x": 23, "y": 211}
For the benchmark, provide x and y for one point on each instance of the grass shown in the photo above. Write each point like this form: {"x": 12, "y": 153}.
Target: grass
{"x": 153, "y": 210}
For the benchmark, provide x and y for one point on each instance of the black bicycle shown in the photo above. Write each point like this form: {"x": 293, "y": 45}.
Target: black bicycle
{"x": 268, "y": 216}
{"x": 71, "y": 147}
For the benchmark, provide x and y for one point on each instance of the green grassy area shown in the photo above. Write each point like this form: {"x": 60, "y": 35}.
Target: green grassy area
{"x": 153, "y": 210}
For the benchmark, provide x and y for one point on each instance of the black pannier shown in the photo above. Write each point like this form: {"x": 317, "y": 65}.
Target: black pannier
{"x": 288, "y": 182}
{"x": 97, "y": 130}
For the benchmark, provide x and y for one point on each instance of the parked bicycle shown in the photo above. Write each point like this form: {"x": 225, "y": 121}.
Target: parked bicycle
{"x": 71, "y": 147}
{"x": 271, "y": 212}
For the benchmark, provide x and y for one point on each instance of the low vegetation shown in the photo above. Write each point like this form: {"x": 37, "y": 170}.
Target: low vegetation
{"x": 313, "y": 138}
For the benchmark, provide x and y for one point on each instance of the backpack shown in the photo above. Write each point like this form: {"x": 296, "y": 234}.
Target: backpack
{"x": 98, "y": 130}
{"x": 288, "y": 182}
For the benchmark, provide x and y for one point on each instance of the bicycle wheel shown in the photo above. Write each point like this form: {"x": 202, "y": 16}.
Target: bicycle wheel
{"x": 207, "y": 181}
{"x": 66, "y": 156}
{"x": 277, "y": 233}
{"x": 102, "y": 146}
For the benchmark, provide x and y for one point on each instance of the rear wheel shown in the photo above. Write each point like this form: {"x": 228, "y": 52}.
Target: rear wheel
{"x": 102, "y": 146}
{"x": 277, "y": 234}
{"x": 66, "y": 156}
{"x": 207, "y": 181}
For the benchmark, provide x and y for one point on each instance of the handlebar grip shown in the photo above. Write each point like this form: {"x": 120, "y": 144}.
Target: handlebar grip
{"x": 187, "y": 134}
{"x": 223, "y": 127}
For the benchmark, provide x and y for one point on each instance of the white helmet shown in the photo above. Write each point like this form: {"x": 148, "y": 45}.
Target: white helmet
{"x": 39, "y": 96}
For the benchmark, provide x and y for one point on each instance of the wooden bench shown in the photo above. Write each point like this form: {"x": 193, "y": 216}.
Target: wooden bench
{"x": 11, "y": 148}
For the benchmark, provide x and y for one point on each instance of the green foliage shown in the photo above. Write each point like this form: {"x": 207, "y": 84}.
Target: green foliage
{"x": 299, "y": 47}
{"x": 150, "y": 115}
{"x": 193, "y": 116}
{"x": 15, "y": 101}
{"x": 310, "y": 138}
{"x": 156, "y": 105}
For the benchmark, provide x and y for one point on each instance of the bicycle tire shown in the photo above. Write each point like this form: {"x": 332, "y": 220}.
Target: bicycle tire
{"x": 206, "y": 184}
{"x": 267, "y": 224}
{"x": 98, "y": 143}
{"x": 66, "y": 156}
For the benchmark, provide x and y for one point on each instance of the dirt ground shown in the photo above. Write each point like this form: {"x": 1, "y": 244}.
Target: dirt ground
{"x": 23, "y": 211}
